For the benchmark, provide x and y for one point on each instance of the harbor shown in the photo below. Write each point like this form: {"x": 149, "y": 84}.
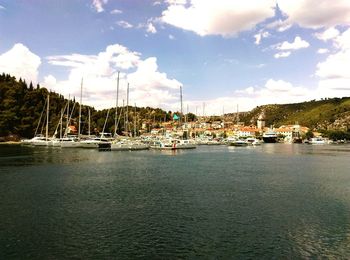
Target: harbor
{"x": 174, "y": 129}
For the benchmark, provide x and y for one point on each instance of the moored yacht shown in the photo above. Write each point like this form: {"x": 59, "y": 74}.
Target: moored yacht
{"x": 93, "y": 142}
{"x": 270, "y": 136}
{"x": 239, "y": 142}
{"x": 128, "y": 145}
{"x": 253, "y": 141}
{"x": 70, "y": 142}
{"x": 41, "y": 141}
{"x": 172, "y": 144}
{"x": 317, "y": 140}
{"x": 184, "y": 144}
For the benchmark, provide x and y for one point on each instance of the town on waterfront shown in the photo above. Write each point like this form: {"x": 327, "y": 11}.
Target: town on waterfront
{"x": 125, "y": 128}
{"x": 132, "y": 128}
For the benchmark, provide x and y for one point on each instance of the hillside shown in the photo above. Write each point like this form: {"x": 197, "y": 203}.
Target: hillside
{"x": 331, "y": 114}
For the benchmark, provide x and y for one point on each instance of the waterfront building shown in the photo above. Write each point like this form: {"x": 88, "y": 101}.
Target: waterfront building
{"x": 246, "y": 131}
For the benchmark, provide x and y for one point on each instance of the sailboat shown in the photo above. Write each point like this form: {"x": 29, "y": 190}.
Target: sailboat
{"x": 36, "y": 135}
{"x": 103, "y": 139}
{"x": 73, "y": 141}
{"x": 44, "y": 141}
{"x": 69, "y": 141}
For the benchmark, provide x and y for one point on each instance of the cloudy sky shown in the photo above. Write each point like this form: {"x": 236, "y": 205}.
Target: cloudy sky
{"x": 224, "y": 52}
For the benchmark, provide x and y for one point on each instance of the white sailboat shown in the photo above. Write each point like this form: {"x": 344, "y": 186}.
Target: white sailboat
{"x": 44, "y": 141}
{"x": 69, "y": 141}
{"x": 73, "y": 141}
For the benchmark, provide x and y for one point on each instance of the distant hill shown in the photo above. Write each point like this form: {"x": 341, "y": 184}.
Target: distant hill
{"x": 331, "y": 114}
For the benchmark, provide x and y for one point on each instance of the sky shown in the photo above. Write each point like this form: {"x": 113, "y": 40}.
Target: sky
{"x": 226, "y": 54}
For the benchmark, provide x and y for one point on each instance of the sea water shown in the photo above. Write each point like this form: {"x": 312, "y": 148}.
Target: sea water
{"x": 271, "y": 201}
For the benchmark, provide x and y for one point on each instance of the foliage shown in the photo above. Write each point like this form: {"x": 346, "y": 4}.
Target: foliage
{"x": 309, "y": 134}
{"x": 314, "y": 114}
{"x": 21, "y": 106}
{"x": 336, "y": 135}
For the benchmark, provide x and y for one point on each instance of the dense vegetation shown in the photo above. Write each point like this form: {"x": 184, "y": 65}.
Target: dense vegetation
{"x": 21, "y": 106}
{"x": 327, "y": 114}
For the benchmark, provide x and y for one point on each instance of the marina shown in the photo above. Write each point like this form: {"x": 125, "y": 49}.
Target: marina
{"x": 175, "y": 129}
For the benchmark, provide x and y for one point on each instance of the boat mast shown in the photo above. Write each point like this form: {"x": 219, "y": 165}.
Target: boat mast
{"x": 104, "y": 126}
{"x": 124, "y": 116}
{"x": 69, "y": 118}
{"x": 135, "y": 121}
{"x": 81, "y": 97}
{"x": 61, "y": 121}
{"x": 89, "y": 122}
{"x": 116, "y": 109}
{"x": 47, "y": 116}
{"x": 127, "y": 110}
{"x": 41, "y": 115}
{"x": 66, "y": 132}
{"x": 187, "y": 114}
{"x": 181, "y": 112}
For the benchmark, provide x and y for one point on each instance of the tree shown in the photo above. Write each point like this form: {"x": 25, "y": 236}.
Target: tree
{"x": 309, "y": 134}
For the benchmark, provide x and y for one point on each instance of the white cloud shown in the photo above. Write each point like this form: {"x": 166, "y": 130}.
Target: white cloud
{"x": 322, "y": 51}
{"x": 282, "y": 54}
{"x": 151, "y": 28}
{"x": 297, "y": 44}
{"x": 338, "y": 87}
{"x": 116, "y": 55}
{"x": 148, "y": 86}
{"x": 274, "y": 91}
{"x": 116, "y": 11}
{"x": 147, "y": 76}
{"x": 328, "y": 34}
{"x": 171, "y": 37}
{"x": 343, "y": 40}
{"x": 259, "y": 36}
{"x": 50, "y": 81}
{"x": 286, "y": 47}
{"x": 316, "y": 13}
{"x": 2, "y": 7}
{"x": 335, "y": 66}
{"x": 277, "y": 91}
{"x": 333, "y": 72}
{"x": 176, "y": 2}
{"x": 124, "y": 24}
{"x": 98, "y": 5}
{"x": 279, "y": 25}
{"x": 222, "y": 17}
{"x": 20, "y": 62}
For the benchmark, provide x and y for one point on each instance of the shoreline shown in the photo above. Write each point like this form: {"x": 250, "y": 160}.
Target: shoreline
{"x": 10, "y": 142}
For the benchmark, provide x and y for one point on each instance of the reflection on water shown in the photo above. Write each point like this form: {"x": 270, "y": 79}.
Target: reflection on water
{"x": 269, "y": 201}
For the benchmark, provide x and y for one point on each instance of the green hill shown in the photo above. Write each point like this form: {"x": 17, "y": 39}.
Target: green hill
{"x": 332, "y": 113}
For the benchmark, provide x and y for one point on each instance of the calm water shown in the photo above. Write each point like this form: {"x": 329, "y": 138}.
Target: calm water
{"x": 274, "y": 201}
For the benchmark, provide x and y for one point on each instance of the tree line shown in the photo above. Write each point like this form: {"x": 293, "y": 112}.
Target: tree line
{"x": 22, "y": 104}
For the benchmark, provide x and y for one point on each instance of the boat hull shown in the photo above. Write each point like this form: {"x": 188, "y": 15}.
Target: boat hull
{"x": 270, "y": 139}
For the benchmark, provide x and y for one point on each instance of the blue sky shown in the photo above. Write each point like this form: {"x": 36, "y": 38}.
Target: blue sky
{"x": 223, "y": 52}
